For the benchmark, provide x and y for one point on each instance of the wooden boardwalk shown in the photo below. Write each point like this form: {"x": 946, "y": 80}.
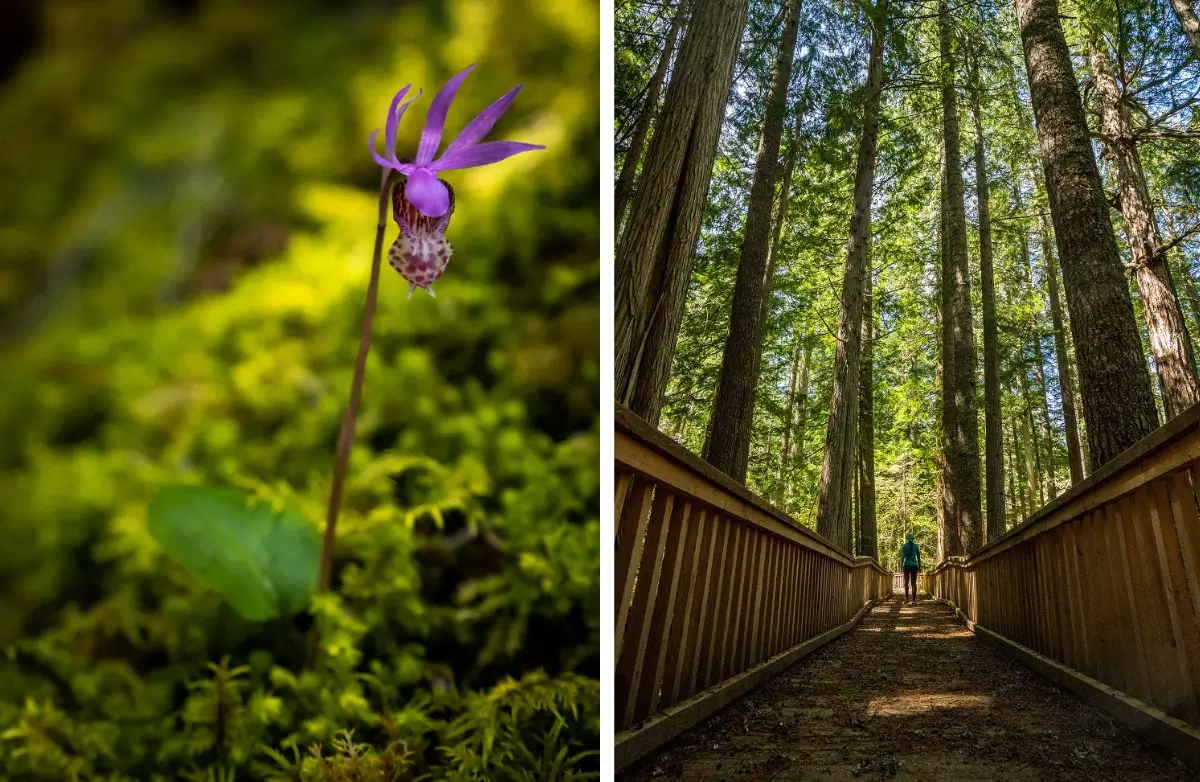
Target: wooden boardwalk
{"x": 910, "y": 694}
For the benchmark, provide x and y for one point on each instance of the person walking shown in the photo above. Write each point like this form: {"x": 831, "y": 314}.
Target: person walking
{"x": 910, "y": 563}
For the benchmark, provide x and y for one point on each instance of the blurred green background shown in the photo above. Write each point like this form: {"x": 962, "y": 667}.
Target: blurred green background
{"x": 186, "y": 226}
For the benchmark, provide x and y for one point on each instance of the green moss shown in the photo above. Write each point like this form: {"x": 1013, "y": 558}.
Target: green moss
{"x": 461, "y": 639}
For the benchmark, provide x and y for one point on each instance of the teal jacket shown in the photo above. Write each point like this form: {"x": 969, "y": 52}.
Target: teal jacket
{"x": 910, "y": 555}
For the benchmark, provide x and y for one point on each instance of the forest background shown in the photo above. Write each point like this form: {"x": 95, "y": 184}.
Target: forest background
{"x": 974, "y": 50}
{"x": 188, "y": 213}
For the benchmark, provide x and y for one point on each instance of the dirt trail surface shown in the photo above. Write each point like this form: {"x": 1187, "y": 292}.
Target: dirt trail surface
{"x": 910, "y": 694}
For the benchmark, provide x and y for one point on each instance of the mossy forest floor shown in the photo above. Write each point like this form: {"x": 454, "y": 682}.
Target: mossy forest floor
{"x": 911, "y": 694}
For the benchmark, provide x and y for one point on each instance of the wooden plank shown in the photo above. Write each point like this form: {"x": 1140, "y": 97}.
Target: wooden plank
{"x": 1180, "y": 614}
{"x": 720, "y": 492}
{"x": 737, "y": 622}
{"x": 659, "y": 648}
{"x": 635, "y": 744}
{"x": 720, "y": 634}
{"x": 624, "y": 481}
{"x": 1155, "y": 633}
{"x": 631, "y": 653}
{"x": 1095, "y": 581}
{"x": 1139, "y": 676}
{"x": 788, "y": 614}
{"x": 629, "y": 542}
{"x": 1185, "y": 506}
{"x": 1078, "y": 599}
{"x": 1157, "y": 726}
{"x": 637, "y": 441}
{"x": 754, "y": 602}
{"x": 710, "y": 639}
{"x": 773, "y": 599}
{"x": 690, "y": 622}
{"x": 1161, "y": 452}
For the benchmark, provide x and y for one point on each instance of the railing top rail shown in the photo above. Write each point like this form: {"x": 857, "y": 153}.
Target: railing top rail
{"x": 632, "y": 426}
{"x": 1136, "y": 466}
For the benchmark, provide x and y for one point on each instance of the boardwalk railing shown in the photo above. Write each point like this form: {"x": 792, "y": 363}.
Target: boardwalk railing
{"x": 1100, "y": 589}
{"x": 716, "y": 591}
{"x": 898, "y": 583}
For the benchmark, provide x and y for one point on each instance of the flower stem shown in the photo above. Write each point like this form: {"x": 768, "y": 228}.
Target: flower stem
{"x": 346, "y": 436}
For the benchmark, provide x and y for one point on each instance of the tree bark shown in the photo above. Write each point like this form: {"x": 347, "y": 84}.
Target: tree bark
{"x": 785, "y": 448}
{"x": 733, "y": 406}
{"x": 1039, "y": 372}
{"x": 867, "y": 525}
{"x": 1066, "y": 382}
{"x": 963, "y": 462}
{"x": 654, "y": 256}
{"x": 642, "y": 127}
{"x": 1118, "y": 403}
{"x": 1169, "y": 340}
{"x": 1186, "y": 15}
{"x": 837, "y": 467}
{"x": 1033, "y": 457}
{"x": 992, "y": 423}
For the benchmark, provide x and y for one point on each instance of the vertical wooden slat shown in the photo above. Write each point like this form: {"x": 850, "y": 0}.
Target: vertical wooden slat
{"x": 631, "y": 653}
{"x": 710, "y": 651}
{"x": 787, "y": 615}
{"x": 1172, "y": 583}
{"x": 1155, "y": 635}
{"x": 754, "y": 604}
{"x": 691, "y": 620}
{"x": 1139, "y": 676}
{"x": 629, "y": 542}
{"x": 772, "y": 599}
{"x": 660, "y": 646}
{"x": 1098, "y": 591}
{"x": 1078, "y": 598}
{"x": 623, "y": 483}
{"x": 732, "y": 607}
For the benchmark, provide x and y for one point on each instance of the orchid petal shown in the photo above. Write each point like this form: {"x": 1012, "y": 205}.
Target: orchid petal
{"x": 482, "y": 154}
{"x": 435, "y": 120}
{"x": 426, "y": 193}
{"x": 391, "y": 162}
{"x": 477, "y": 128}
{"x": 385, "y": 162}
{"x": 393, "y": 121}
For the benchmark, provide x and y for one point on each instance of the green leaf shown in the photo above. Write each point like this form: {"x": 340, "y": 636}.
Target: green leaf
{"x": 262, "y": 561}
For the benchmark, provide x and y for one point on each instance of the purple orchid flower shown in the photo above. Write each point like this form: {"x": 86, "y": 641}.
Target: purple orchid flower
{"x": 422, "y": 206}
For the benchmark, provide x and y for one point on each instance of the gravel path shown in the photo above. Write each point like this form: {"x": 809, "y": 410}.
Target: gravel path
{"x": 910, "y": 694}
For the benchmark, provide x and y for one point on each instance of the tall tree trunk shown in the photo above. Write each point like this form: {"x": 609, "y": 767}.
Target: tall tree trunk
{"x": 1020, "y": 456}
{"x": 800, "y": 418}
{"x": 837, "y": 467}
{"x": 947, "y": 532}
{"x": 785, "y": 448}
{"x": 1066, "y": 382}
{"x": 1046, "y": 441}
{"x": 733, "y": 406}
{"x": 1118, "y": 403}
{"x": 964, "y": 461}
{"x": 1169, "y": 340}
{"x": 654, "y": 256}
{"x": 1190, "y": 24}
{"x": 1039, "y": 372}
{"x": 1013, "y": 498}
{"x": 1033, "y": 459}
{"x": 1190, "y": 293}
{"x": 992, "y": 424}
{"x": 867, "y": 525}
{"x": 642, "y": 127}
{"x": 948, "y": 520}
{"x": 1066, "y": 378}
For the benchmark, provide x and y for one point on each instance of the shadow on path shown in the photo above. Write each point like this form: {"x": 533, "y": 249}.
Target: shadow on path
{"x": 910, "y": 694}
